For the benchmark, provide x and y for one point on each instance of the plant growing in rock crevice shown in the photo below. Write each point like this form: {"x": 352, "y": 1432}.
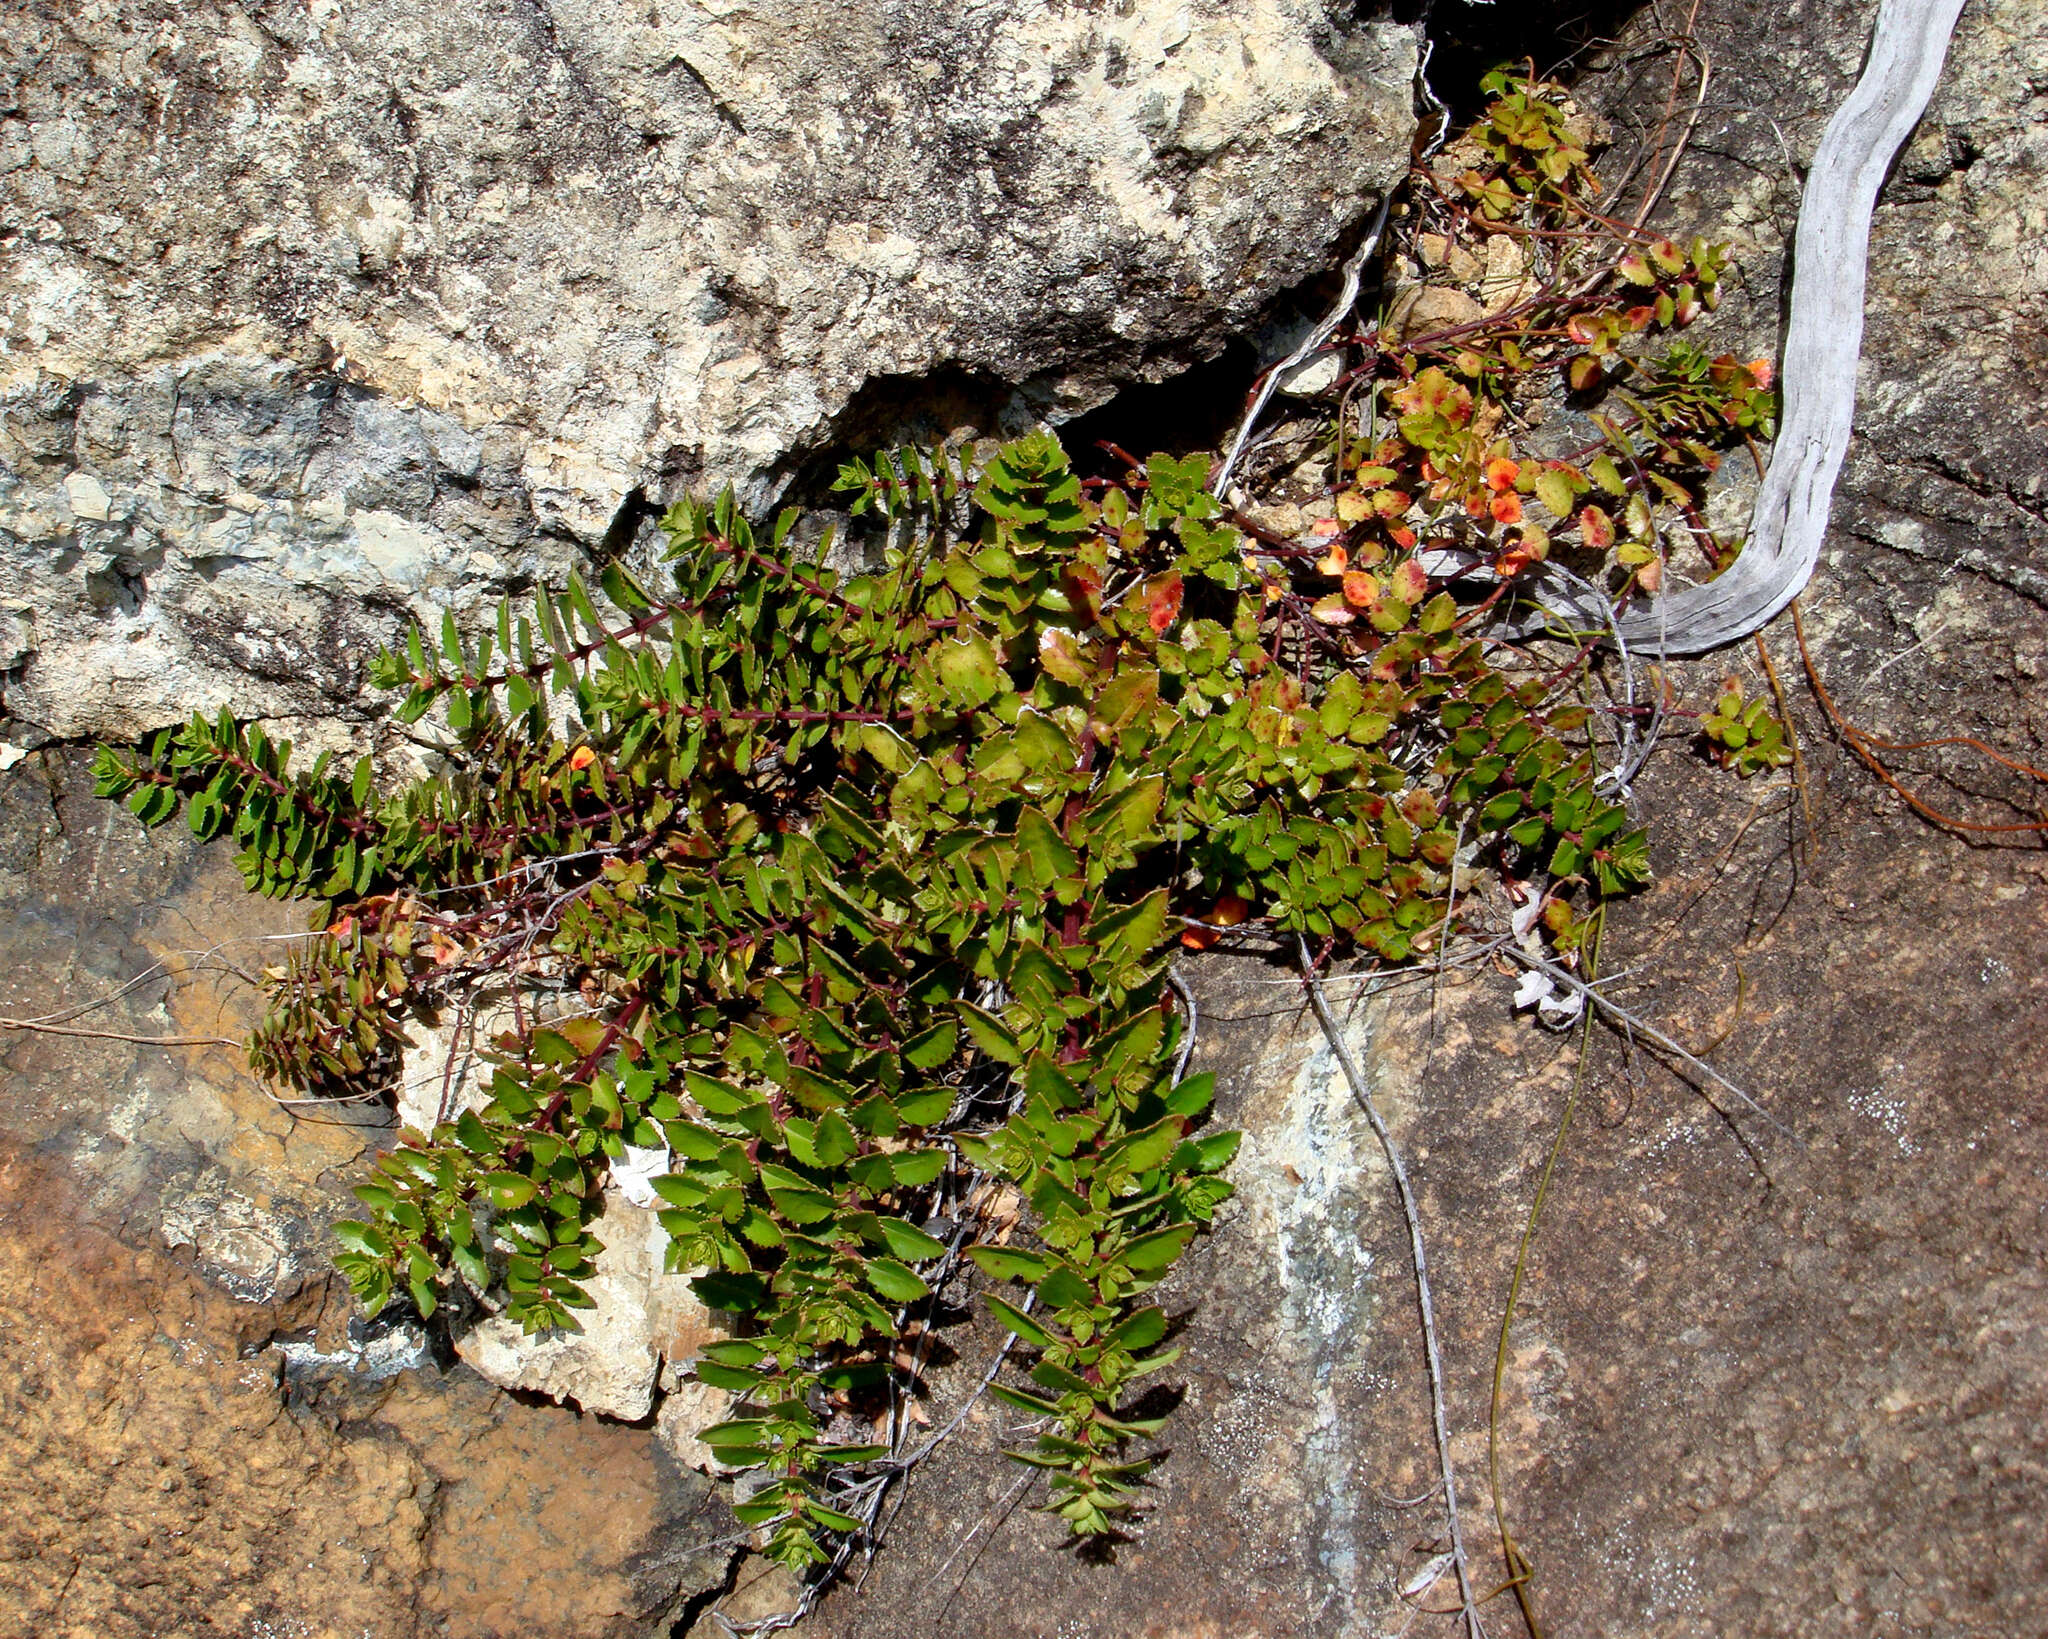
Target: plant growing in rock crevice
{"x": 865, "y": 882}
{"x": 856, "y": 895}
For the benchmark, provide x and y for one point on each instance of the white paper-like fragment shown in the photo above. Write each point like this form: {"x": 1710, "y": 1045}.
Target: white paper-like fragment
{"x": 635, "y": 1172}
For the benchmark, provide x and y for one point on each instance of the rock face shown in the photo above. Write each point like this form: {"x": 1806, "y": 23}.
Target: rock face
{"x": 315, "y": 311}
{"x": 1754, "y": 1387}
{"x": 196, "y": 1435}
{"x": 642, "y": 1318}
{"x": 1749, "y": 1391}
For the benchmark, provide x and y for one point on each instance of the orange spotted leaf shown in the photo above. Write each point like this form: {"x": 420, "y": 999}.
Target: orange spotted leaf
{"x": 1162, "y": 600}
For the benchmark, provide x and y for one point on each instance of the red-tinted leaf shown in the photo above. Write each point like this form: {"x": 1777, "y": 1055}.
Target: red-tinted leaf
{"x": 1083, "y": 585}
{"x": 1162, "y": 600}
{"x": 1360, "y": 589}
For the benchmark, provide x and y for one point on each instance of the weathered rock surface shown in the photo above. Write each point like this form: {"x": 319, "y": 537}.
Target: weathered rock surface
{"x": 316, "y": 311}
{"x": 194, "y": 1439}
{"x": 1797, "y": 1389}
{"x": 1782, "y": 1389}
{"x": 641, "y": 1318}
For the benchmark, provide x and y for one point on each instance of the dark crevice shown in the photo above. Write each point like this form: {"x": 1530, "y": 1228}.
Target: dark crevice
{"x": 1470, "y": 38}
{"x": 719, "y": 105}
{"x": 941, "y": 406}
{"x": 1195, "y": 410}
{"x": 635, "y": 511}
{"x": 1198, "y": 407}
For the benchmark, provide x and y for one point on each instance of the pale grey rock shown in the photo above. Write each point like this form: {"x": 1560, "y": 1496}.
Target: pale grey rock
{"x": 642, "y": 1316}
{"x": 250, "y": 1250}
{"x": 316, "y": 313}
{"x": 443, "y": 1070}
{"x": 688, "y": 1407}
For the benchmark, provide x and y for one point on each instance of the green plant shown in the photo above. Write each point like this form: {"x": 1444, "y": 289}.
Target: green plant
{"x": 1742, "y": 734}
{"x": 1452, "y": 447}
{"x": 857, "y": 893}
{"x": 862, "y": 884}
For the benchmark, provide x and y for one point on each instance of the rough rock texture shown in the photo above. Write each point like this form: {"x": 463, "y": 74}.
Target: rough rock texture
{"x": 642, "y": 1317}
{"x": 194, "y": 1439}
{"x": 312, "y": 311}
{"x": 1788, "y": 1389}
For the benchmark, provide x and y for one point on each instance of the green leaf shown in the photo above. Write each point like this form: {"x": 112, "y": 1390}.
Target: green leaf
{"x": 1046, "y": 1083}
{"x": 735, "y": 1352}
{"x": 508, "y": 1190}
{"x": 1210, "y": 1153}
{"x": 925, "y": 1106}
{"x": 740, "y": 1432}
{"x": 889, "y": 749}
{"x": 832, "y": 1519}
{"x": 1156, "y": 1250}
{"x": 738, "y": 1294}
{"x": 623, "y": 589}
{"x": 733, "y": 1379}
{"x": 912, "y": 1168}
{"x": 1193, "y": 1095}
{"x": 1557, "y": 493}
{"x": 1018, "y": 1321}
{"x": 933, "y": 1048}
{"x": 968, "y": 671}
{"x": 1051, "y": 859}
{"x": 1010, "y": 1262}
{"x": 1140, "y": 1329}
{"x": 895, "y": 1282}
{"x": 990, "y": 1034}
{"x": 1035, "y": 1405}
{"x": 361, "y": 1237}
{"x": 1063, "y": 1288}
{"x": 907, "y": 1241}
{"x": 715, "y": 1097}
{"x": 1142, "y": 1151}
{"x": 801, "y": 1204}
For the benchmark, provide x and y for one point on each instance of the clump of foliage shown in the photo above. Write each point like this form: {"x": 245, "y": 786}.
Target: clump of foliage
{"x": 856, "y": 893}
{"x": 1567, "y": 429}
{"x": 866, "y": 882}
{"x": 1742, "y": 734}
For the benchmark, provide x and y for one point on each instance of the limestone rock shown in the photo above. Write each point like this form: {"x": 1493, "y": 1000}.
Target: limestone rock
{"x": 443, "y": 1071}
{"x": 317, "y": 312}
{"x": 1423, "y": 310}
{"x": 641, "y": 1317}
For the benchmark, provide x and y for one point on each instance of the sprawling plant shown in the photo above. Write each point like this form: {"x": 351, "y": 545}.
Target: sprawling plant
{"x": 852, "y": 896}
